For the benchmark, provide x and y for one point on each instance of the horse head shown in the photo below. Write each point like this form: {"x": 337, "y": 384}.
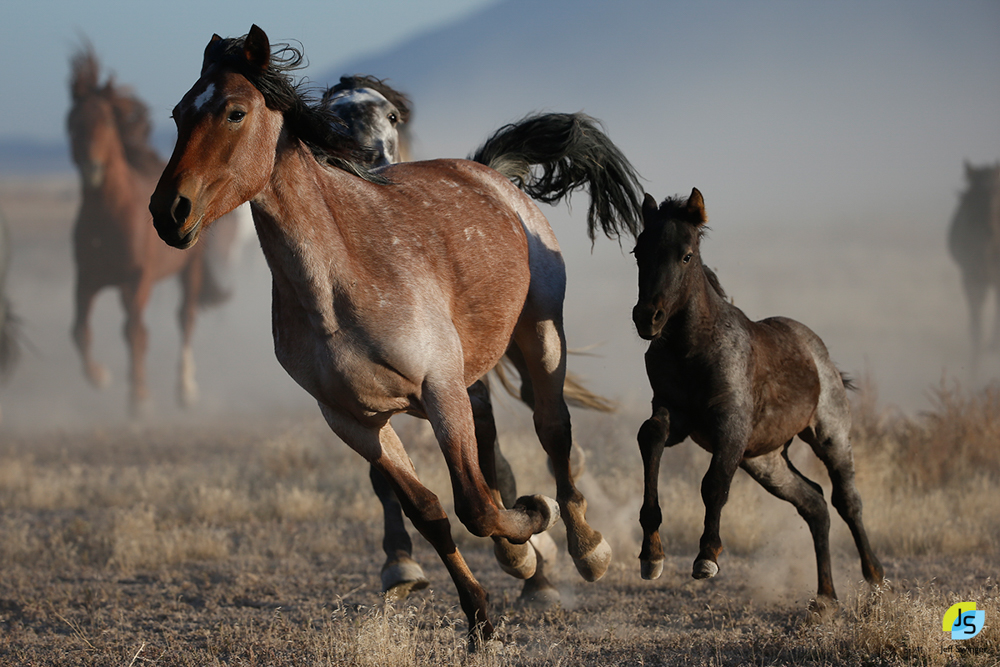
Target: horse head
{"x": 669, "y": 258}
{"x": 227, "y": 135}
{"x": 375, "y": 114}
{"x": 91, "y": 121}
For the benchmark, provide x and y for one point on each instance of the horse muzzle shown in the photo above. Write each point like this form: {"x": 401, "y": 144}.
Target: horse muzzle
{"x": 171, "y": 221}
{"x": 648, "y": 320}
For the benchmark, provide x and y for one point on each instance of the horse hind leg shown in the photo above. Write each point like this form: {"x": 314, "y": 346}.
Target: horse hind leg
{"x": 975, "y": 289}
{"x": 830, "y": 440}
{"x": 776, "y": 473}
{"x": 543, "y": 347}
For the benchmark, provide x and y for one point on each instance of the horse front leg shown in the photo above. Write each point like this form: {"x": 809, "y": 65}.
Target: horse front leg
{"x": 652, "y": 438}
{"x": 400, "y": 574}
{"x": 715, "y": 485}
{"x": 85, "y": 294}
{"x": 134, "y": 299}
{"x": 384, "y": 451}
{"x": 448, "y": 409}
{"x": 192, "y": 279}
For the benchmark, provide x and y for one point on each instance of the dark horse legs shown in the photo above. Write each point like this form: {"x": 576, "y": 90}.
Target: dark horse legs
{"x": 401, "y": 574}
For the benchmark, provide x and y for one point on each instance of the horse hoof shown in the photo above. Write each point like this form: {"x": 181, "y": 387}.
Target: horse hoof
{"x": 99, "y": 376}
{"x": 593, "y": 565}
{"x": 401, "y": 578}
{"x": 545, "y": 547}
{"x": 651, "y": 569}
{"x": 822, "y": 608}
{"x": 705, "y": 569}
{"x": 517, "y": 560}
{"x": 547, "y": 507}
{"x": 544, "y": 597}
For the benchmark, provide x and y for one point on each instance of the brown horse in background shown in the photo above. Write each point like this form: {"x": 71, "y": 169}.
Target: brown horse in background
{"x": 974, "y": 243}
{"x": 393, "y": 291}
{"x": 740, "y": 389}
{"x": 114, "y": 242}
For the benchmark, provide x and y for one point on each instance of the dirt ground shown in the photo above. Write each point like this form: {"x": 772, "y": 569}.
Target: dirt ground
{"x": 242, "y": 532}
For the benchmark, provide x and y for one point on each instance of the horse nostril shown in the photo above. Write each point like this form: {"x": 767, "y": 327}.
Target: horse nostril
{"x": 658, "y": 316}
{"x": 181, "y": 209}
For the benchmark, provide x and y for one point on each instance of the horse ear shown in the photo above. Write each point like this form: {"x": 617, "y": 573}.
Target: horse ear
{"x": 649, "y": 208}
{"x": 209, "y": 48}
{"x": 696, "y": 207}
{"x": 257, "y": 48}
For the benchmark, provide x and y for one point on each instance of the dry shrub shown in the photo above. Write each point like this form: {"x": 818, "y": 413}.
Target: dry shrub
{"x": 930, "y": 483}
{"x": 905, "y": 628}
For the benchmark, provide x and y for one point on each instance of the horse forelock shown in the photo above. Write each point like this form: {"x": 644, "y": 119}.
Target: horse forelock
{"x": 85, "y": 71}
{"x": 317, "y": 127}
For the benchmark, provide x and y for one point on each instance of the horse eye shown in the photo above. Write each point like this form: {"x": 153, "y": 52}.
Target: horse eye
{"x": 687, "y": 257}
{"x": 393, "y": 119}
{"x": 236, "y": 116}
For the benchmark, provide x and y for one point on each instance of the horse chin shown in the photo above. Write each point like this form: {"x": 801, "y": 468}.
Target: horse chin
{"x": 172, "y": 236}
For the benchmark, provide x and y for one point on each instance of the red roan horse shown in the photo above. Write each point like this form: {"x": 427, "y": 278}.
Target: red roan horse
{"x": 742, "y": 390}
{"x": 569, "y": 151}
{"x": 113, "y": 241}
{"x": 393, "y": 291}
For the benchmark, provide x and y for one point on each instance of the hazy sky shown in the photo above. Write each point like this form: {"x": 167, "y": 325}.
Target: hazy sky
{"x": 156, "y": 46}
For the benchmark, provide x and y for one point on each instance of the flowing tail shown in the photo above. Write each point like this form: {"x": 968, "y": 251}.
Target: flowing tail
{"x": 570, "y": 152}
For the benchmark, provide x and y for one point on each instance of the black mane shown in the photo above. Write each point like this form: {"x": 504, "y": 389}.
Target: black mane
{"x": 316, "y": 127}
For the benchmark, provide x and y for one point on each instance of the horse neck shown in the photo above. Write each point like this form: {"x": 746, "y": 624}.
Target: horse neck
{"x": 693, "y": 325}
{"x": 298, "y": 216}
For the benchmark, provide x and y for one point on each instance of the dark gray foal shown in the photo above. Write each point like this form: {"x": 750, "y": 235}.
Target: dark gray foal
{"x": 742, "y": 390}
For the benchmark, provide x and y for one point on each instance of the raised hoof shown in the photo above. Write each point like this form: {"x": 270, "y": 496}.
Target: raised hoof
{"x": 704, "y": 569}
{"x": 543, "y": 597}
{"x": 547, "y": 507}
{"x": 517, "y": 560}
{"x": 545, "y": 547}
{"x": 651, "y": 569}
{"x": 593, "y": 565}
{"x": 401, "y": 578}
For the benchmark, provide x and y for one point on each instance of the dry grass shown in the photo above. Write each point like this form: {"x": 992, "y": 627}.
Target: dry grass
{"x": 259, "y": 544}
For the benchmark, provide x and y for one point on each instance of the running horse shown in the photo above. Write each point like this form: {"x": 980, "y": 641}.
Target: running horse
{"x": 393, "y": 291}
{"x": 378, "y": 117}
{"x": 742, "y": 390}
{"x": 10, "y": 328}
{"x": 113, "y": 241}
{"x": 974, "y": 243}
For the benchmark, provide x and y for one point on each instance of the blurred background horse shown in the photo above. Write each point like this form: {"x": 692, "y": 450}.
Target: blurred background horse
{"x": 974, "y": 243}
{"x": 10, "y": 342}
{"x": 114, "y": 242}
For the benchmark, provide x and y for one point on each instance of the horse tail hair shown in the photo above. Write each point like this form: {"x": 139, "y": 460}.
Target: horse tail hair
{"x": 574, "y": 391}
{"x": 572, "y": 152}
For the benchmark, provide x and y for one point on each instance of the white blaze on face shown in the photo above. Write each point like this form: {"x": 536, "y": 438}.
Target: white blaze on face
{"x": 202, "y": 99}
